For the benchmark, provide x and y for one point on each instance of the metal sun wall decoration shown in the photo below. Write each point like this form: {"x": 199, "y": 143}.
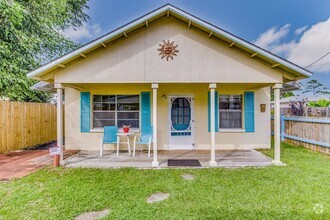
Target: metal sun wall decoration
{"x": 168, "y": 50}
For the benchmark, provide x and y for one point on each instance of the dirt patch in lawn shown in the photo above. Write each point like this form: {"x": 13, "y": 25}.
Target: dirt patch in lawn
{"x": 188, "y": 176}
{"x": 157, "y": 197}
{"x": 93, "y": 215}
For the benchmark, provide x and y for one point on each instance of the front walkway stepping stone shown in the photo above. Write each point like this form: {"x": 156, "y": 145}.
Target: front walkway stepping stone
{"x": 93, "y": 215}
{"x": 157, "y": 197}
{"x": 188, "y": 176}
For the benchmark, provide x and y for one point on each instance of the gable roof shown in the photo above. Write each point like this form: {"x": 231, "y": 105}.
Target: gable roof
{"x": 192, "y": 21}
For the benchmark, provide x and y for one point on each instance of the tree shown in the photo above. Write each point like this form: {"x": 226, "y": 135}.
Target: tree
{"x": 30, "y": 35}
{"x": 320, "y": 103}
{"x": 316, "y": 87}
{"x": 287, "y": 94}
{"x": 282, "y": 95}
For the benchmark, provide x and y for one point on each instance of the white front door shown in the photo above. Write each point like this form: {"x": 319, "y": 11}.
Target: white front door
{"x": 181, "y": 123}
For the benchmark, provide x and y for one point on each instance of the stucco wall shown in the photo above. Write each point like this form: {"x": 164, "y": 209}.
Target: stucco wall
{"x": 91, "y": 141}
{"x": 136, "y": 59}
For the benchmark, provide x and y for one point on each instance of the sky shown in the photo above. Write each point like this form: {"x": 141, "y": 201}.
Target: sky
{"x": 297, "y": 30}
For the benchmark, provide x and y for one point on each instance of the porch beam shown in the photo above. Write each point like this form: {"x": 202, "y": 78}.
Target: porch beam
{"x": 253, "y": 55}
{"x": 277, "y": 118}
{"x": 75, "y": 87}
{"x": 154, "y": 87}
{"x": 212, "y": 86}
{"x": 60, "y": 89}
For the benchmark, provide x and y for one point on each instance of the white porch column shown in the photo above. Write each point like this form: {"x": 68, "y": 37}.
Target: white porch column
{"x": 154, "y": 87}
{"x": 60, "y": 88}
{"x": 277, "y": 119}
{"x": 212, "y": 87}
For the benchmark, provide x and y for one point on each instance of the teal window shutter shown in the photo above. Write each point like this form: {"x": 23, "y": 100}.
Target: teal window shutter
{"x": 145, "y": 110}
{"x": 208, "y": 112}
{"x": 84, "y": 111}
{"x": 216, "y": 110}
{"x": 216, "y": 105}
{"x": 249, "y": 111}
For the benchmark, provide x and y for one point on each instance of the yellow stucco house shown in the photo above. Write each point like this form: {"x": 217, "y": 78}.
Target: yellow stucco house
{"x": 198, "y": 86}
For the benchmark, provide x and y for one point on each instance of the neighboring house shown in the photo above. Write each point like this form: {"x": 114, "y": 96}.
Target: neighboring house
{"x": 200, "y": 86}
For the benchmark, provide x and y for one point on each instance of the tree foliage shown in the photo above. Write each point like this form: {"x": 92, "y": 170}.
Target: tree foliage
{"x": 320, "y": 103}
{"x": 287, "y": 94}
{"x": 30, "y": 35}
{"x": 282, "y": 95}
{"x": 316, "y": 87}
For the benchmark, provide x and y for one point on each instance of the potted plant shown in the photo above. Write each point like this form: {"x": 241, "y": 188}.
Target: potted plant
{"x": 126, "y": 128}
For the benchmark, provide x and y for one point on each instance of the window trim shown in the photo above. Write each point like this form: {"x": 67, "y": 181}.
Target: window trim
{"x": 100, "y": 129}
{"x": 232, "y": 130}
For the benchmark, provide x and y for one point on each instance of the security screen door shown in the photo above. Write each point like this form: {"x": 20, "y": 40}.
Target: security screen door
{"x": 181, "y": 123}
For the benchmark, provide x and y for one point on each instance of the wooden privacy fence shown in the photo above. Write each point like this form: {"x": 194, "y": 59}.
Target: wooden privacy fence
{"x": 25, "y": 124}
{"x": 312, "y": 133}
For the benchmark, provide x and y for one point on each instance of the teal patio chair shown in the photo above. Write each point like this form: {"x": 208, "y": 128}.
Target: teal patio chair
{"x": 109, "y": 137}
{"x": 144, "y": 139}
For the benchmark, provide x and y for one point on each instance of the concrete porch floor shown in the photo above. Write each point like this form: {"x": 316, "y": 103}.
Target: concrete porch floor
{"x": 235, "y": 158}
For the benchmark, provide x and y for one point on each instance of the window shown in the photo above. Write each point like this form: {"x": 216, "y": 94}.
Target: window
{"x": 230, "y": 107}
{"x": 119, "y": 110}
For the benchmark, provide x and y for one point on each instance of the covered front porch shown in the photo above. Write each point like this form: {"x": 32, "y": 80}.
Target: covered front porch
{"x": 208, "y": 142}
{"x": 224, "y": 158}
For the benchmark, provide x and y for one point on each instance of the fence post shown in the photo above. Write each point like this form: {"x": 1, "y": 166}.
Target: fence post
{"x": 282, "y": 127}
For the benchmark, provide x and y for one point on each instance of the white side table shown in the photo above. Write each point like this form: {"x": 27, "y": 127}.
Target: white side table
{"x": 127, "y": 135}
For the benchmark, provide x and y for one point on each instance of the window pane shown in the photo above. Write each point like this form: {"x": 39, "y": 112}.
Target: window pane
{"x": 224, "y": 105}
{"x": 128, "y": 103}
{"x": 230, "y": 102}
{"x": 128, "y": 107}
{"x": 104, "y": 98}
{"x": 230, "y": 120}
{"x": 102, "y": 123}
{"x": 97, "y": 98}
{"x": 128, "y": 99}
{"x": 104, "y": 115}
{"x": 108, "y": 98}
{"x": 132, "y": 123}
{"x": 104, "y": 106}
{"x": 128, "y": 115}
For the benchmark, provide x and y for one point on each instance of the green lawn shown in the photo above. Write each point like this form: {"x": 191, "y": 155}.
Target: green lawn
{"x": 300, "y": 190}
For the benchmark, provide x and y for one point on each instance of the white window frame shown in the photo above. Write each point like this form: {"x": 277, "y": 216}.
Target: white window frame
{"x": 241, "y": 129}
{"x": 115, "y": 111}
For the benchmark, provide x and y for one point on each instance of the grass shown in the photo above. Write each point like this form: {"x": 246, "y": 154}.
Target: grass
{"x": 300, "y": 190}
